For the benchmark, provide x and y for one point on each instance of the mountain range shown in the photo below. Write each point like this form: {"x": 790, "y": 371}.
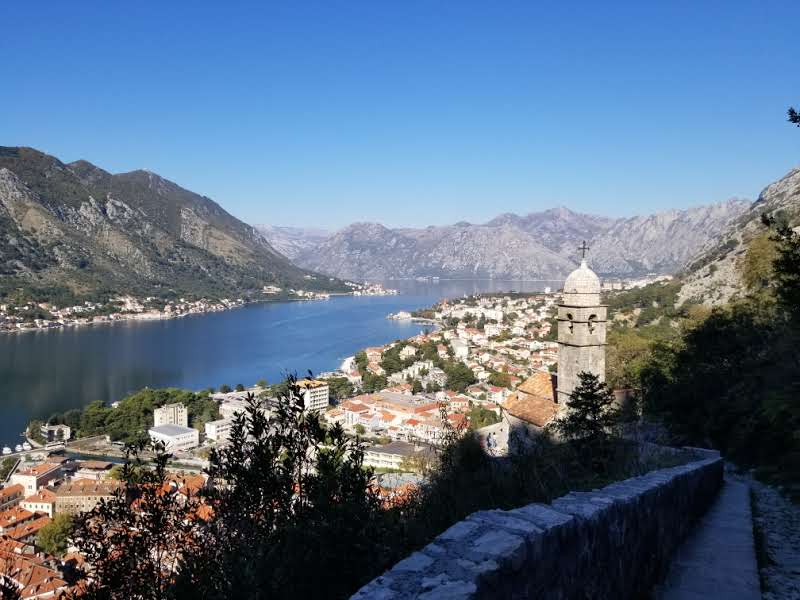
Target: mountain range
{"x": 540, "y": 245}
{"x": 75, "y": 229}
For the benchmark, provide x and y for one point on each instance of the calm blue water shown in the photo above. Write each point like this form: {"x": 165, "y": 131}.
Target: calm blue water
{"x": 52, "y": 371}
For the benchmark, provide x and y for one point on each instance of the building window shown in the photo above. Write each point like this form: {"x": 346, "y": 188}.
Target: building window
{"x": 571, "y": 324}
{"x": 592, "y": 320}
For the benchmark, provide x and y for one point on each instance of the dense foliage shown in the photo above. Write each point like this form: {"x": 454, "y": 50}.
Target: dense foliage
{"x": 133, "y": 416}
{"x": 53, "y": 537}
{"x": 731, "y": 380}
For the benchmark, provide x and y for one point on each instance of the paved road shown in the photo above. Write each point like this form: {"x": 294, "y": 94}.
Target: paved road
{"x": 718, "y": 559}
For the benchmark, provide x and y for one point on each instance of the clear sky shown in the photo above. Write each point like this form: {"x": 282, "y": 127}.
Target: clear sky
{"x": 412, "y": 113}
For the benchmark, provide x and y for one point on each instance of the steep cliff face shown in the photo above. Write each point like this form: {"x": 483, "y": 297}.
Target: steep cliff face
{"x": 78, "y": 226}
{"x": 714, "y": 276}
{"x": 293, "y": 241}
{"x": 535, "y": 246}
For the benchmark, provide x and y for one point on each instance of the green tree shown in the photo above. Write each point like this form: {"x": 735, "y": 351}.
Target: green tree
{"x": 296, "y": 493}
{"x": 360, "y": 430}
{"x": 590, "y": 411}
{"x": 459, "y": 376}
{"x": 481, "y": 417}
{"x": 225, "y": 389}
{"x": 239, "y": 387}
{"x": 54, "y": 536}
{"x": 416, "y": 387}
{"x": 500, "y": 379}
{"x": 757, "y": 265}
{"x": 135, "y": 541}
{"x": 262, "y": 383}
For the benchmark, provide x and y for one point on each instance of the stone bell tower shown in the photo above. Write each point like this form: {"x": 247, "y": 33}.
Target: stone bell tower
{"x": 581, "y": 329}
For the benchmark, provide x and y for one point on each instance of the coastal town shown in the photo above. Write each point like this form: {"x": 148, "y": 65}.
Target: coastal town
{"x": 403, "y": 398}
{"x": 30, "y": 315}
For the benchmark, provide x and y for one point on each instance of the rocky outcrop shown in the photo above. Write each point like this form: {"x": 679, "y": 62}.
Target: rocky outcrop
{"x": 714, "y": 276}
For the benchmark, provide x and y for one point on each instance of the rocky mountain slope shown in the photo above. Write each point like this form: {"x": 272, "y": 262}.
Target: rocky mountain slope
{"x": 714, "y": 275}
{"x": 535, "y": 246}
{"x": 293, "y": 241}
{"x": 75, "y": 228}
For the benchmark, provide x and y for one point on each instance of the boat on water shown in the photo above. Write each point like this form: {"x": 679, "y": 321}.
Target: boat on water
{"x": 18, "y": 448}
{"x": 27, "y": 446}
{"x": 6, "y": 450}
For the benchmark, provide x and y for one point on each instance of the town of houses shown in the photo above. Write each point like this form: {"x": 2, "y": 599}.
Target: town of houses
{"x": 500, "y": 343}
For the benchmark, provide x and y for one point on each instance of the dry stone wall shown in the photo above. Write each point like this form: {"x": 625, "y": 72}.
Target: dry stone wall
{"x": 615, "y": 542}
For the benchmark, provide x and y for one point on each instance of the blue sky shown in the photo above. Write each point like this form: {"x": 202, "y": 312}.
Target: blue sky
{"x": 412, "y": 113}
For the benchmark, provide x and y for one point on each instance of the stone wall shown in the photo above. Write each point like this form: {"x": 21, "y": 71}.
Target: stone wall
{"x": 615, "y": 542}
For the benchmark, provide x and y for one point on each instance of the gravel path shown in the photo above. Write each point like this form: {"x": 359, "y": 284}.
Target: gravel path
{"x": 777, "y": 523}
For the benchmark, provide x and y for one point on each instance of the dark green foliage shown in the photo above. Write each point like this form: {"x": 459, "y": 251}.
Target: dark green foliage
{"x": 459, "y": 376}
{"x": 500, "y": 379}
{"x": 296, "y": 495}
{"x": 373, "y": 383}
{"x": 239, "y": 387}
{"x": 591, "y": 413}
{"x": 340, "y": 388}
{"x": 416, "y": 387}
{"x": 135, "y": 541}
{"x": 225, "y": 389}
{"x": 361, "y": 361}
{"x": 5, "y": 467}
{"x": 133, "y": 416}
{"x": 391, "y": 361}
{"x": 53, "y": 537}
{"x": 793, "y": 116}
{"x": 481, "y": 417}
{"x": 731, "y": 381}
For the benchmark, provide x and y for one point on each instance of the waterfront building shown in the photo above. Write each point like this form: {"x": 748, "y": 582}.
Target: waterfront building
{"x": 315, "y": 393}
{"x": 56, "y": 433}
{"x": 35, "y": 477}
{"x": 175, "y": 437}
{"x": 171, "y": 414}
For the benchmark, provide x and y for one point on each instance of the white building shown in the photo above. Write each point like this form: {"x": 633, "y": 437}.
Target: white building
{"x": 175, "y": 437}
{"x": 219, "y": 430}
{"x": 315, "y": 394}
{"x": 171, "y": 414}
{"x": 35, "y": 477}
{"x": 460, "y": 349}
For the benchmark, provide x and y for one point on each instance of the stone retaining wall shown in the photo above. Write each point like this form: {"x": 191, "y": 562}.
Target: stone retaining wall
{"x": 615, "y": 542}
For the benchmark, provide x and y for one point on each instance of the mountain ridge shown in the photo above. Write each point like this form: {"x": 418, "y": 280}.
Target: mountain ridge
{"x": 537, "y": 245}
{"x": 82, "y": 230}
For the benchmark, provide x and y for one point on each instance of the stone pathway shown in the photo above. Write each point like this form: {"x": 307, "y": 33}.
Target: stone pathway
{"x": 777, "y": 521}
{"x": 718, "y": 559}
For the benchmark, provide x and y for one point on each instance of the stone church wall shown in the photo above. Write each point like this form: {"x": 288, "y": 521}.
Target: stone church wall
{"x": 615, "y": 542}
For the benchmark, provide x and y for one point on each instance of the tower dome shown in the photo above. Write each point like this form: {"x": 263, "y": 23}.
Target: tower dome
{"x": 582, "y": 281}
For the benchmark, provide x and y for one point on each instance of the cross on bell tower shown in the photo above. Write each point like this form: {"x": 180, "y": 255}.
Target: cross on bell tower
{"x": 583, "y": 249}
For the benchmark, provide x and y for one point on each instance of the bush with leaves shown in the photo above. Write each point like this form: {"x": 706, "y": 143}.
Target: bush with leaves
{"x": 137, "y": 540}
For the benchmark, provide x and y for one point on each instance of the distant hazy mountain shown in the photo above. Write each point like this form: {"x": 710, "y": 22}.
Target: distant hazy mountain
{"x": 293, "y": 241}
{"x": 714, "y": 274}
{"x": 539, "y": 245}
{"x": 77, "y": 227}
